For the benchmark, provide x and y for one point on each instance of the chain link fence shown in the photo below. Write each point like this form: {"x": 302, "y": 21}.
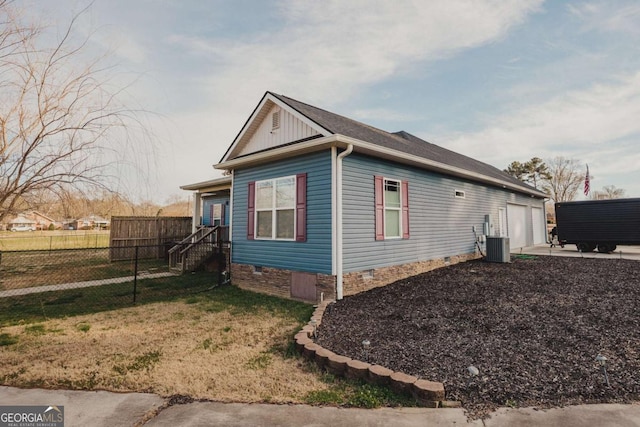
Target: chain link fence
{"x": 51, "y": 283}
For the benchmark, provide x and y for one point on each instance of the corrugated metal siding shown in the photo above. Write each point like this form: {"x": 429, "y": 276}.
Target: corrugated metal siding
{"x": 314, "y": 255}
{"x": 616, "y": 220}
{"x": 441, "y": 225}
{"x": 206, "y": 208}
{"x": 291, "y": 129}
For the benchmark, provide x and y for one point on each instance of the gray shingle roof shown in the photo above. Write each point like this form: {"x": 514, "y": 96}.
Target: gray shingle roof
{"x": 401, "y": 141}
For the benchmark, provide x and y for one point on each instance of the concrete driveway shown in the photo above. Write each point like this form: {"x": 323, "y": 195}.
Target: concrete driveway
{"x": 624, "y": 252}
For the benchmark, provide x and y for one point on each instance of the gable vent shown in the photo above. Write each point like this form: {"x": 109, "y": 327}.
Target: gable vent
{"x": 275, "y": 120}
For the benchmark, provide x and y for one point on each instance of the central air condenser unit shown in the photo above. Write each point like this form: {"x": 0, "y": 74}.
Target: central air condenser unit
{"x": 498, "y": 249}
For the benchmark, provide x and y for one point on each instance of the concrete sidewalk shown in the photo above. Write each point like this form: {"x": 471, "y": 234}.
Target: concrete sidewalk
{"x": 621, "y": 252}
{"x": 87, "y": 408}
{"x": 101, "y": 408}
{"x": 78, "y": 285}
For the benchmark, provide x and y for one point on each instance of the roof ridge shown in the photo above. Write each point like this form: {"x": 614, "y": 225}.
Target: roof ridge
{"x": 373, "y": 128}
{"x": 401, "y": 141}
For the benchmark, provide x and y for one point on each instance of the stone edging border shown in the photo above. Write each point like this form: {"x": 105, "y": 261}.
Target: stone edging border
{"x": 427, "y": 393}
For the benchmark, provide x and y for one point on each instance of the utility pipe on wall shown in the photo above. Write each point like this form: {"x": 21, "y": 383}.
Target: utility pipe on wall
{"x": 341, "y": 156}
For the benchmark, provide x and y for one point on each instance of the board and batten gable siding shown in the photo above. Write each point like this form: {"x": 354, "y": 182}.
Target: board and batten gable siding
{"x": 440, "y": 224}
{"x": 290, "y": 129}
{"x": 313, "y": 255}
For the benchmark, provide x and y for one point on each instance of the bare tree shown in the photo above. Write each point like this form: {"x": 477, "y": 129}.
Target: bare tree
{"x": 608, "y": 192}
{"x": 565, "y": 178}
{"x": 58, "y": 117}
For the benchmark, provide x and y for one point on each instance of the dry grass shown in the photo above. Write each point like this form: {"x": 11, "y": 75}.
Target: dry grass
{"x": 167, "y": 348}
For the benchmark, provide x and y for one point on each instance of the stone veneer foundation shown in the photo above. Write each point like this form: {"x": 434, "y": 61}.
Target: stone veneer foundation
{"x": 275, "y": 281}
{"x": 354, "y": 283}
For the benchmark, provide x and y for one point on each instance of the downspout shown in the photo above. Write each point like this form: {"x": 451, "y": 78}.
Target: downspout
{"x": 341, "y": 156}
{"x": 233, "y": 177}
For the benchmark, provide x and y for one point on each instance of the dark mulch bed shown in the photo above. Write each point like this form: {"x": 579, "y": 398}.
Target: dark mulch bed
{"x": 532, "y": 327}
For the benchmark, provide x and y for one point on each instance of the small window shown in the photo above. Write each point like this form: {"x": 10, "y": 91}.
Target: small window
{"x": 257, "y": 269}
{"x": 275, "y": 120}
{"x": 459, "y": 194}
{"x": 216, "y": 217}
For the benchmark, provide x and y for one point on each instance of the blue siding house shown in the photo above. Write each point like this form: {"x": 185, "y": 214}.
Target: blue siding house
{"x": 322, "y": 206}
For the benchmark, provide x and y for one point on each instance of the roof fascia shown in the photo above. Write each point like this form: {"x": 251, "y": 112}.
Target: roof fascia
{"x": 268, "y": 96}
{"x": 205, "y": 186}
{"x": 278, "y": 153}
{"x": 376, "y": 151}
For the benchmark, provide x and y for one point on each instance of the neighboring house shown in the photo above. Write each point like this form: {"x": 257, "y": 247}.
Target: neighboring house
{"x": 91, "y": 222}
{"x": 21, "y": 223}
{"x": 324, "y": 205}
{"x": 69, "y": 224}
{"x": 43, "y": 222}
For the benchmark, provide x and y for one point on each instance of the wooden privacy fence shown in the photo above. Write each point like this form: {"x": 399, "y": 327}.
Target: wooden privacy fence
{"x": 154, "y": 236}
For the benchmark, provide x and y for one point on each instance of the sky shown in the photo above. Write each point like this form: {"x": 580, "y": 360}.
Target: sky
{"x": 496, "y": 80}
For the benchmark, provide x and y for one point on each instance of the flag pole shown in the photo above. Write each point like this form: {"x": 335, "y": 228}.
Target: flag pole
{"x": 587, "y": 184}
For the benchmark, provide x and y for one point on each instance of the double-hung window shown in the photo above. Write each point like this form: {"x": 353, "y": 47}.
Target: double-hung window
{"x": 392, "y": 208}
{"x": 277, "y": 208}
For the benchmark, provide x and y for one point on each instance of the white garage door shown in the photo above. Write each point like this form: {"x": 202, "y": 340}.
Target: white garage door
{"x": 539, "y": 232}
{"x": 516, "y": 225}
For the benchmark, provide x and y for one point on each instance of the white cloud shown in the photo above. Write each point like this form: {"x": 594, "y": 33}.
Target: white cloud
{"x": 323, "y": 53}
{"x": 326, "y": 51}
{"x": 608, "y": 16}
{"x": 599, "y": 125}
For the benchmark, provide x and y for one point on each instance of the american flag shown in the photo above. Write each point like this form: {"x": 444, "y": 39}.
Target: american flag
{"x": 586, "y": 183}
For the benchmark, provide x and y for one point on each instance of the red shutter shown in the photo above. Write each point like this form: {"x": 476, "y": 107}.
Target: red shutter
{"x": 223, "y": 208}
{"x": 301, "y": 207}
{"x": 379, "y": 202}
{"x": 211, "y": 209}
{"x": 251, "y": 209}
{"x": 405, "y": 209}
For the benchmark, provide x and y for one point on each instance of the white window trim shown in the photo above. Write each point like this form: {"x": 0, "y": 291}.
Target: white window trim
{"x": 384, "y": 208}
{"x": 459, "y": 194}
{"x": 213, "y": 213}
{"x": 274, "y": 209}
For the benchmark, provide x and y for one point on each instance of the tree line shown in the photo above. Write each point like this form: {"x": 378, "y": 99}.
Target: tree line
{"x": 560, "y": 177}
{"x": 75, "y": 205}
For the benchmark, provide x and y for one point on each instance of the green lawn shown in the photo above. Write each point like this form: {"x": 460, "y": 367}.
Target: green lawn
{"x": 48, "y": 240}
